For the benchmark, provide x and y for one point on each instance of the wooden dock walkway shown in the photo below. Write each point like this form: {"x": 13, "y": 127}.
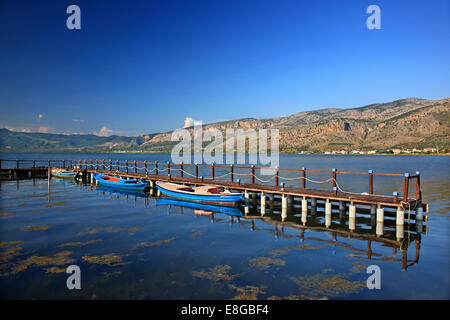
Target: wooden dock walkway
{"x": 253, "y": 184}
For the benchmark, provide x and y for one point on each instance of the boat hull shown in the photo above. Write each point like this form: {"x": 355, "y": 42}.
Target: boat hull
{"x": 63, "y": 174}
{"x": 211, "y": 199}
{"x": 120, "y": 184}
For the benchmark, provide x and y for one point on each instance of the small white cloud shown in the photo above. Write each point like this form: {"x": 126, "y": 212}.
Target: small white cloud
{"x": 40, "y": 116}
{"x": 77, "y": 120}
{"x": 189, "y": 122}
{"x": 104, "y": 132}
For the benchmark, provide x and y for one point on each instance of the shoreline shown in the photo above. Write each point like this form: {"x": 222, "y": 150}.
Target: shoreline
{"x": 281, "y": 153}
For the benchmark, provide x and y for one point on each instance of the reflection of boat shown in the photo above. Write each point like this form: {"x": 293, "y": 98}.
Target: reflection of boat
{"x": 61, "y": 173}
{"x": 124, "y": 184}
{"x": 230, "y": 210}
{"x": 122, "y": 192}
{"x": 206, "y": 194}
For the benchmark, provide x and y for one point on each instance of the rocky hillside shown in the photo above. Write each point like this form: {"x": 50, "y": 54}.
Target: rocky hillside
{"x": 406, "y": 123}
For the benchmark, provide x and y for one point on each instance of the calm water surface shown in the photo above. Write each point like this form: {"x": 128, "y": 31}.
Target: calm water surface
{"x": 136, "y": 246}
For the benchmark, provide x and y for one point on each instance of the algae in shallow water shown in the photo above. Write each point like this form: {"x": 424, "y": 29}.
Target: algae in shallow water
{"x": 217, "y": 274}
{"x": 131, "y": 231}
{"x": 153, "y": 244}
{"x": 7, "y": 214}
{"x": 321, "y": 285}
{"x": 266, "y": 262}
{"x": 108, "y": 259}
{"x": 248, "y": 292}
{"x": 79, "y": 244}
{"x": 58, "y": 259}
{"x": 36, "y": 228}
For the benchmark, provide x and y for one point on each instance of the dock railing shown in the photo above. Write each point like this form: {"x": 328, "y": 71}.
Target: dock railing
{"x": 221, "y": 172}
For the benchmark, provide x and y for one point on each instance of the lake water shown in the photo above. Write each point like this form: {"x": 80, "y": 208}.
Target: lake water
{"x": 138, "y": 246}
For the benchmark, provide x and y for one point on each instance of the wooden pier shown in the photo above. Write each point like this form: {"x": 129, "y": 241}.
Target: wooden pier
{"x": 246, "y": 179}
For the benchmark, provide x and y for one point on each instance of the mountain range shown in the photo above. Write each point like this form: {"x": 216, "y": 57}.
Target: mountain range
{"x": 405, "y": 123}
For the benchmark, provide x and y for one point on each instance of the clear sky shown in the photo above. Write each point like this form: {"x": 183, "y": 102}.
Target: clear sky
{"x": 145, "y": 66}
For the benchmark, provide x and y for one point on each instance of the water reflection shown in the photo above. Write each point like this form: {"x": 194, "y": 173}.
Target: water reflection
{"x": 232, "y": 210}
{"x": 338, "y": 222}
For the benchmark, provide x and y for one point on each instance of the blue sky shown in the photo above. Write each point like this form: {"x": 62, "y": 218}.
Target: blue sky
{"x": 140, "y": 67}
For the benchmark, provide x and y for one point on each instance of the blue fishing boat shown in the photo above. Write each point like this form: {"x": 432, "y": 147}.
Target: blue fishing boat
{"x": 115, "y": 182}
{"x": 229, "y": 210}
{"x": 61, "y": 173}
{"x": 206, "y": 194}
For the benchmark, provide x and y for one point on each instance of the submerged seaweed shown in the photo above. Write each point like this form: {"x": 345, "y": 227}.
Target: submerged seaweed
{"x": 108, "y": 259}
{"x": 217, "y": 274}
{"x": 58, "y": 259}
{"x": 321, "y": 285}
{"x": 36, "y": 228}
{"x": 266, "y": 262}
{"x": 248, "y": 292}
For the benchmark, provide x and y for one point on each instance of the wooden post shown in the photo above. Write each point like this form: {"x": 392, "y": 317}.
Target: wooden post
{"x": 168, "y": 168}
{"x": 276, "y": 176}
{"x": 181, "y": 169}
{"x": 380, "y": 214}
{"x": 395, "y": 195}
{"x": 64, "y": 164}
{"x": 370, "y": 181}
{"x": 253, "y": 174}
{"x": 400, "y": 218}
{"x": 231, "y": 172}
{"x": 304, "y": 177}
{"x": 17, "y": 163}
{"x": 304, "y": 205}
{"x": 110, "y": 165}
{"x": 135, "y": 167}
{"x": 145, "y": 168}
{"x": 418, "y": 193}
{"x": 34, "y": 164}
{"x": 283, "y": 201}
{"x": 126, "y": 165}
{"x": 118, "y": 165}
{"x": 213, "y": 171}
{"x": 334, "y": 179}
{"x": 103, "y": 164}
{"x": 156, "y": 167}
{"x": 96, "y": 164}
{"x": 406, "y": 188}
{"x": 196, "y": 170}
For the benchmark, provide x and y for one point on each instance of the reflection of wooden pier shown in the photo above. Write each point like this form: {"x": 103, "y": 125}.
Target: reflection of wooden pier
{"x": 284, "y": 219}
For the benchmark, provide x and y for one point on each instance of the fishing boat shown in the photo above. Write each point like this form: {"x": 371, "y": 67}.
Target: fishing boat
{"x": 115, "y": 182}
{"x": 206, "y": 194}
{"x": 61, "y": 173}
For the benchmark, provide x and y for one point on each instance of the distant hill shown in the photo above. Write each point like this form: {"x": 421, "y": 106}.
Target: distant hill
{"x": 34, "y": 142}
{"x": 406, "y": 123}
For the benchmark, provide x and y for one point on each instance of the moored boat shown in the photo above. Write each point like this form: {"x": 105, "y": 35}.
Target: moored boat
{"x": 206, "y": 194}
{"x": 115, "y": 182}
{"x": 61, "y": 173}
